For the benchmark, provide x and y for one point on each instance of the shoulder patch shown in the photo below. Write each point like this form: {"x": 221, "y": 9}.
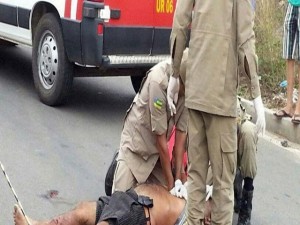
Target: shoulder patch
{"x": 158, "y": 103}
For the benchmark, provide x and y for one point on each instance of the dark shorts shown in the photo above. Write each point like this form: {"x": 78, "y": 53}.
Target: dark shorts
{"x": 122, "y": 208}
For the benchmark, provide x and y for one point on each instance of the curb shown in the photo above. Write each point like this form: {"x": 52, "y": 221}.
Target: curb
{"x": 283, "y": 127}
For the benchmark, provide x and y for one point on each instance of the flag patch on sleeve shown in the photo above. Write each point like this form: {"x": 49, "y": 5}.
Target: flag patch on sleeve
{"x": 158, "y": 103}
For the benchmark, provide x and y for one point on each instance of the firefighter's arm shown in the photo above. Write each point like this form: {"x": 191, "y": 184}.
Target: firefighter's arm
{"x": 179, "y": 35}
{"x": 181, "y": 121}
{"x": 179, "y": 190}
{"x": 248, "y": 65}
{"x": 159, "y": 124}
{"x": 179, "y": 148}
{"x": 248, "y": 58}
{"x": 162, "y": 147}
{"x": 178, "y": 39}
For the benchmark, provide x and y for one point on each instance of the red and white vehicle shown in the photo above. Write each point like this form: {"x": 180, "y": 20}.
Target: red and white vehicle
{"x": 87, "y": 38}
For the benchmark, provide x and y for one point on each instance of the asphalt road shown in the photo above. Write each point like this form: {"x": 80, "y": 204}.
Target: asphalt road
{"x": 68, "y": 148}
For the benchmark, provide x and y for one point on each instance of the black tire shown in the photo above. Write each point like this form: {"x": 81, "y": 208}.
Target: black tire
{"x": 109, "y": 177}
{"x": 52, "y": 71}
{"x": 136, "y": 82}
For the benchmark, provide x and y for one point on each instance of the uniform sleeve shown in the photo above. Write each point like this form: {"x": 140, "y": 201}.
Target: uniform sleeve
{"x": 181, "y": 118}
{"x": 158, "y": 108}
{"x": 179, "y": 35}
{"x": 246, "y": 45}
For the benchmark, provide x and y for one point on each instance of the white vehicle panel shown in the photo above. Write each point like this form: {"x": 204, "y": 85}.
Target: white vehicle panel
{"x": 73, "y": 9}
{"x": 28, "y": 4}
{"x": 16, "y": 34}
{"x": 21, "y": 35}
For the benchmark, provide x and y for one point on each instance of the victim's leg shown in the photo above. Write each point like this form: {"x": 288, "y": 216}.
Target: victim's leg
{"x": 83, "y": 214}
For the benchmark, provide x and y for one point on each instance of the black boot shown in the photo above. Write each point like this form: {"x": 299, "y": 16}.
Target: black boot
{"x": 246, "y": 208}
{"x": 238, "y": 190}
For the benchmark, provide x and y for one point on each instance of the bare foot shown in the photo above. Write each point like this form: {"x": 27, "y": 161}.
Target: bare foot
{"x": 19, "y": 218}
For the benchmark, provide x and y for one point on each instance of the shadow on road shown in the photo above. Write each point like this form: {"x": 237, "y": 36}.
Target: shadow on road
{"x": 16, "y": 65}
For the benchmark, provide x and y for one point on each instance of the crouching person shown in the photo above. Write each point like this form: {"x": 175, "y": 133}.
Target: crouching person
{"x": 246, "y": 170}
{"x": 143, "y": 153}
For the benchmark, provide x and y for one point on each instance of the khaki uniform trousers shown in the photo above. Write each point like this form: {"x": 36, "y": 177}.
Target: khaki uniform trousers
{"x": 123, "y": 171}
{"x": 247, "y": 149}
{"x": 211, "y": 138}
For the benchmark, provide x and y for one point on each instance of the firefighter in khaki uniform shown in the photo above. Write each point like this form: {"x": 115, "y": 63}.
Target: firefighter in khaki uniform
{"x": 221, "y": 40}
{"x": 246, "y": 165}
{"x": 143, "y": 154}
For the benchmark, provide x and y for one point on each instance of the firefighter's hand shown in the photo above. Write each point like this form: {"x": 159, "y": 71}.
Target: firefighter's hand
{"x": 260, "y": 115}
{"x": 179, "y": 190}
{"x": 172, "y": 94}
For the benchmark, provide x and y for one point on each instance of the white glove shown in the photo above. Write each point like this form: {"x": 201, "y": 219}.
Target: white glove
{"x": 260, "y": 115}
{"x": 209, "y": 190}
{"x": 179, "y": 190}
{"x": 172, "y": 93}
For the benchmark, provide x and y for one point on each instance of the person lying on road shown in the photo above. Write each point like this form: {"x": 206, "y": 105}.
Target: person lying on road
{"x": 143, "y": 205}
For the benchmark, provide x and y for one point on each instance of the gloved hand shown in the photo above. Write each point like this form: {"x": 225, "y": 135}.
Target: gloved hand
{"x": 172, "y": 93}
{"x": 179, "y": 190}
{"x": 209, "y": 190}
{"x": 260, "y": 115}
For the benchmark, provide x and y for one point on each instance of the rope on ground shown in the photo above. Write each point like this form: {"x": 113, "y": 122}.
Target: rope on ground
{"x": 13, "y": 191}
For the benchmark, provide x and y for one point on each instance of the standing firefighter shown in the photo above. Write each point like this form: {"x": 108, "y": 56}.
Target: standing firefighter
{"x": 221, "y": 40}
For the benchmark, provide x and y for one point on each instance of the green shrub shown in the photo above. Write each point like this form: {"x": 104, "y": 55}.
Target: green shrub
{"x": 268, "y": 28}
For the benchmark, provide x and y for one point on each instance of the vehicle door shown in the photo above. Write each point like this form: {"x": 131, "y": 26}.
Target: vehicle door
{"x": 15, "y": 20}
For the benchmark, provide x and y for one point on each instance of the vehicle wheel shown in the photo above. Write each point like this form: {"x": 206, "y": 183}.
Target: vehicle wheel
{"x": 52, "y": 71}
{"x": 136, "y": 82}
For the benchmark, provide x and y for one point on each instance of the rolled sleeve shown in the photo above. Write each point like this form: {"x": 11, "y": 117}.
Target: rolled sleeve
{"x": 179, "y": 35}
{"x": 246, "y": 46}
{"x": 158, "y": 108}
{"x": 181, "y": 118}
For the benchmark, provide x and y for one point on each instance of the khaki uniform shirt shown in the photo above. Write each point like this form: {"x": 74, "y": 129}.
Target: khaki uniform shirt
{"x": 147, "y": 117}
{"x": 221, "y": 41}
